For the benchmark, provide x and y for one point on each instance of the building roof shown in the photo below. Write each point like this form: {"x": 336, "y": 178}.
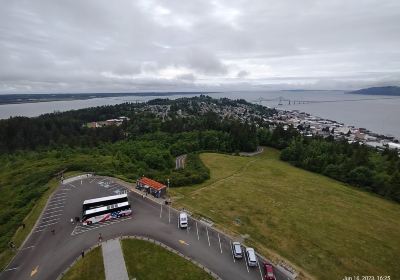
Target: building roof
{"x": 151, "y": 183}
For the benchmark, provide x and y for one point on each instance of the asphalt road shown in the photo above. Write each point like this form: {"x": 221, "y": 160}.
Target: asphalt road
{"x": 46, "y": 255}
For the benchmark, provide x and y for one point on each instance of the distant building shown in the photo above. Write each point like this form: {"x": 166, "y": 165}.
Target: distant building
{"x": 150, "y": 186}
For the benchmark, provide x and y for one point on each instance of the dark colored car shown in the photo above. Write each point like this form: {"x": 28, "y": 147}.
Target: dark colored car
{"x": 269, "y": 271}
{"x": 237, "y": 250}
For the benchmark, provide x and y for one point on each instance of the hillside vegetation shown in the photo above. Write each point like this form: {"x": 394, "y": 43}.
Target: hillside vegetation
{"x": 321, "y": 225}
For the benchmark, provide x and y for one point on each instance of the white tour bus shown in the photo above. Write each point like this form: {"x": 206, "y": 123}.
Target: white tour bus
{"x": 105, "y": 213}
{"x": 103, "y": 201}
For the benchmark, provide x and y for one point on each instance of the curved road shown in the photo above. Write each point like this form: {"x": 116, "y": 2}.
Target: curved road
{"x": 46, "y": 255}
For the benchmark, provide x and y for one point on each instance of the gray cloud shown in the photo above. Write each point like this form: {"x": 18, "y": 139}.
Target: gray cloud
{"x": 96, "y": 45}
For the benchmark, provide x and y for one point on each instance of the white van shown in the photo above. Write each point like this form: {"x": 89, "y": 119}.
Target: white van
{"x": 251, "y": 257}
{"x": 183, "y": 220}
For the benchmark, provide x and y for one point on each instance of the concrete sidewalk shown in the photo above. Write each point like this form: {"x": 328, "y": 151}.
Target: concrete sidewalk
{"x": 114, "y": 263}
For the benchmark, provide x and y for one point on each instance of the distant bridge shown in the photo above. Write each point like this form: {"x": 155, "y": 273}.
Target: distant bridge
{"x": 285, "y": 101}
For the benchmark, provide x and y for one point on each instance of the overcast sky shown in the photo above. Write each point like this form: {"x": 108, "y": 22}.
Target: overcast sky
{"x": 137, "y": 45}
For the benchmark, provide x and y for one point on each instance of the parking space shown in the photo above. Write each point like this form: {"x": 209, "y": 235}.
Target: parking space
{"x": 201, "y": 234}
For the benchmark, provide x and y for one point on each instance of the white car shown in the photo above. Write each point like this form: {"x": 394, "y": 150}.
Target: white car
{"x": 183, "y": 220}
{"x": 251, "y": 257}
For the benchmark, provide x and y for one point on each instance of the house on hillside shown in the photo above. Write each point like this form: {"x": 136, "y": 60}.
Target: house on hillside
{"x": 152, "y": 187}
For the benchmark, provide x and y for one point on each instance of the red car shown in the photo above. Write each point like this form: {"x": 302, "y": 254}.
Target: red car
{"x": 269, "y": 271}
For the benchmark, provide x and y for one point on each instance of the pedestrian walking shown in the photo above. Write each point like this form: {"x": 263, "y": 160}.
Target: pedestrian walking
{"x": 72, "y": 220}
{"x": 53, "y": 231}
{"x": 100, "y": 238}
{"x": 23, "y": 225}
{"x": 83, "y": 254}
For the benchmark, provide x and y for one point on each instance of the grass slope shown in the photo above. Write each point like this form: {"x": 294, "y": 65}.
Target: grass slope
{"x": 328, "y": 229}
{"x": 145, "y": 260}
{"x": 91, "y": 267}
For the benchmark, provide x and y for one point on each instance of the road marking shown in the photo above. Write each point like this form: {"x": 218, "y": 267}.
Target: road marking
{"x": 51, "y": 212}
{"x": 34, "y": 271}
{"x": 197, "y": 230}
{"x": 45, "y": 224}
{"x": 81, "y": 228}
{"x": 51, "y": 204}
{"x": 259, "y": 268}
{"x": 219, "y": 240}
{"x": 183, "y": 242}
{"x": 13, "y": 268}
{"x": 60, "y": 195}
{"x": 54, "y": 208}
{"x": 209, "y": 244}
{"x": 245, "y": 261}
{"x": 233, "y": 257}
{"x": 36, "y": 231}
{"x": 57, "y": 200}
{"x": 51, "y": 216}
{"x": 160, "y": 210}
{"x": 26, "y": 248}
{"x": 169, "y": 215}
{"x": 72, "y": 186}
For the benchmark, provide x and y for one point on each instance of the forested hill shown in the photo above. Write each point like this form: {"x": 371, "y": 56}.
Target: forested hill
{"x": 236, "y": 117}
{"x": 389, "y": 90}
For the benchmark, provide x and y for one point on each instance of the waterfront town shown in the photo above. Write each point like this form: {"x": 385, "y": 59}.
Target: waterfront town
{"x": 307, "y": 124}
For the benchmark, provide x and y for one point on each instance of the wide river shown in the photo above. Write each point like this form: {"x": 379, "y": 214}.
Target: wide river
{"x": 381, "y": 115}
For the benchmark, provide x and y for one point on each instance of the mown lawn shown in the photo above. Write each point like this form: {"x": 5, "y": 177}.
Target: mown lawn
{"x": 322, "y": 226}
{"x": 91, "y": 267}
{"x": 145, "y": 260}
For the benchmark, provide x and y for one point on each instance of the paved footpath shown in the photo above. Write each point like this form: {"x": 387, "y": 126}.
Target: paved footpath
{"x": 114, "y": 263}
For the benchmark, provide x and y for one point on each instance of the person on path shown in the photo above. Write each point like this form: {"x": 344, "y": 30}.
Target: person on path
{"x": 83, "y": 254}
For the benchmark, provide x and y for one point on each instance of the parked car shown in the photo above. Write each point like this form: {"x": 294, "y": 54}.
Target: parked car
{"x": 251, "y": 257}
{"x": 269, "y": 271}
{"x": 183, "y": 220}
{"x": 237, "y": 250}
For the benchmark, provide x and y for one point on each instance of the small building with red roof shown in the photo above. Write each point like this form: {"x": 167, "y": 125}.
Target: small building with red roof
{"x": 150, "y": 186}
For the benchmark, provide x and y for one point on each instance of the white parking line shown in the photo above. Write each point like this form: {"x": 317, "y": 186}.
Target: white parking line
{"x": 44, "y": 226}
{"x": 219, "y": 240}
{"x": 81, "y": 182}
{"x": 233, "y": 257}
{"x": 43, "y": 223}
{"x": 197, "y": 230}
{"x": 169, "y": 215}
{"x": 161, "y": 210}
{"x": 26, "y": 248}
{"x": 9, "y": 269}
{"x": 58, "y": 200}
{"x": 51, "y": 204}
{"x": 51, "y": 212}
{"x": 54, "y": 208}
{"x": 258, "y": 264}
{"x": 51, "y": 216}
{"x": 208, "y": 238}
{"x": 81, "y": 229}
{"x": 60, "y": 195}
{"x": 245, "y": 261}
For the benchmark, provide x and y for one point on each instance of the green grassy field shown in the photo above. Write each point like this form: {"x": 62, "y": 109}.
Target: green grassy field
{"x": 322, "y": 226}
{"x": 145, "y": 260}
{"x": 91, "y": 267}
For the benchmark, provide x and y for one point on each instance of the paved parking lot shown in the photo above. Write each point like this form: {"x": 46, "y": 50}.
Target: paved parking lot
{"x": 45, "y": 255}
